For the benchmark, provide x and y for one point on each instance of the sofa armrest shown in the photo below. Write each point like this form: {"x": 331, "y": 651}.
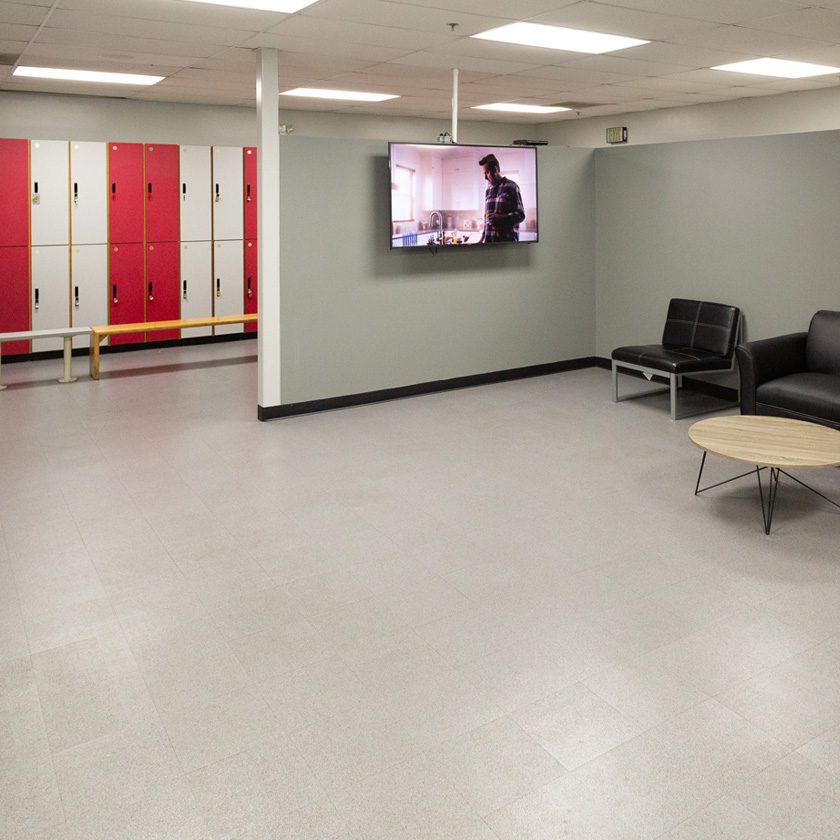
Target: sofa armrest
{"x": 769, "y": 358}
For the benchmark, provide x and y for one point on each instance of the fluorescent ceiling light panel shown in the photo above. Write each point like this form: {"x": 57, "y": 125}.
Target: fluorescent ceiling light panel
{"x": 287, "y": 6}
{"x": 558, "y": 38}
{"x": 779, "y": 68}
{"x": 87, "y": 76}
{"x": 515, "y": 108}
{"x": 352, "y": 95}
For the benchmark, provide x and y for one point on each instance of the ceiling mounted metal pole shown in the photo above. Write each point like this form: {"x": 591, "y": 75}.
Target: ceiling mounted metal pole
{"x": 454, "y": 104}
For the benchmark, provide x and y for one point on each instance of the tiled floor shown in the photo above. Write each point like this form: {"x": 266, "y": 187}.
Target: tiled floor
{"x": 491, "y": 614}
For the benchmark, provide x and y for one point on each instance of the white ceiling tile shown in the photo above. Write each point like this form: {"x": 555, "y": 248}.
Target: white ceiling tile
{"x": 478, "y": 65}
{"x": 300, "y": 26}
{"x": 94, "y": 58}
{"x": 626, "y": 66}
{"x": 573, "y": 75}
{"x": 616, "y": 20}
{"x": 404, "y": 16}
{"x": 22, "y": 13}
{"x": 750, "y": 41}
{"x": 107, "y": 25}
{"x": 685, "y": 55}
{"x": 373, "y": 54}
{"x": 175, "y": 11}
{"x": 122, "y": 42}
{"x": 722, "y": 11}
{"x": 816, "y": 24}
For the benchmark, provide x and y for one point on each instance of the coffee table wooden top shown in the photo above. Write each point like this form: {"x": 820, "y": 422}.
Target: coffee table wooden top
{"x": 768, "y": 441}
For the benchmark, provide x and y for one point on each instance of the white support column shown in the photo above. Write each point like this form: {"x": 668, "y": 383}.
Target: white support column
{"x": 454, "y": 104}
{"x": 268, "y": 228}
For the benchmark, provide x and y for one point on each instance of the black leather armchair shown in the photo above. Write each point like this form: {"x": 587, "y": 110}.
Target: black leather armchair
{"x": 699, "y": 337}
{"x": 797, "y": 375}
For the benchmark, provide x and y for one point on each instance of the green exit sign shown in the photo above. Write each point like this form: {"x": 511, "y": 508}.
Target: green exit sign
{"x": 617, "y": 134}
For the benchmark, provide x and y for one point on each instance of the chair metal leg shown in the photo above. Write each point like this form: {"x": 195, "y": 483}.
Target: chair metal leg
{"x": 615, "y": 382}
{"x": 672, "y": 377}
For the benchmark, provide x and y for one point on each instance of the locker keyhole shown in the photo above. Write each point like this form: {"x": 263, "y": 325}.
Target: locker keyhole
{"x": 250, "y": 293}
{"x": 115, "y": 294}
{"x": 248, "y": 192}
{"x": 151, "y": 296}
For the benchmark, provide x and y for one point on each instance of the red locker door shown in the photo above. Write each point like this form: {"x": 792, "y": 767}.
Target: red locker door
{"x": 14, "y": 203}
{"x": 14, "y": 296}
{"x": 162, "y": 301}
{"x": 250, "y": 281}
{"x": 125, "y": 289}
{"x": 125, "y": 192}
{"x": 249, "y": 187}
{"x": 162, "y": 206}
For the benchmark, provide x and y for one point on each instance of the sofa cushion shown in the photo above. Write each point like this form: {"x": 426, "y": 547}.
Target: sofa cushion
{"x": 822, "y": 350}
{"x": 808, "y": 394}
{"x": 671, "y": 359}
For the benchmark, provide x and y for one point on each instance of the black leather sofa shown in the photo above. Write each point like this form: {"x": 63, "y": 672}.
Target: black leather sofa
{"x": 797, "y": 375}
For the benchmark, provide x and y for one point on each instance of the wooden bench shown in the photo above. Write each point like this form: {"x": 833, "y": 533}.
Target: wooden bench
{"x": 98, "y": 333}
{"x": 67, "y": 333}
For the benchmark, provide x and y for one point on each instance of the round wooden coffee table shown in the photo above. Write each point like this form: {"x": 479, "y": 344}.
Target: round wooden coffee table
{"x": 767, "y": 443}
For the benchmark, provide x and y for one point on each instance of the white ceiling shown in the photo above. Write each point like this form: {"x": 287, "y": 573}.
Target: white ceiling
{"x": 406, "y": 47}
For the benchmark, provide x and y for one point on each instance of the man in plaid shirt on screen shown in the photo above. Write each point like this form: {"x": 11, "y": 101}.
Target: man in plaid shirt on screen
{"x": 503, "y": 210}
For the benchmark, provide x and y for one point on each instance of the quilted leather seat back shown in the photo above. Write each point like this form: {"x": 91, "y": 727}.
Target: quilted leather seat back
{"x": 822, "y": 347}
{"x": 712, "y": 327}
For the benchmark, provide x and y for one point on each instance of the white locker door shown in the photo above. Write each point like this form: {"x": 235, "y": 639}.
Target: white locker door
{"x": 89, "y": 285}
{"x": 50, "y": 288}
{"x": 196, "y": 202}
{"x": 227, "y": 192}
{"x": 49, "y": 201}
{"x": 196, "y": 285}
{"x": 88, "y": 193}
{"x": 228, "y": 287}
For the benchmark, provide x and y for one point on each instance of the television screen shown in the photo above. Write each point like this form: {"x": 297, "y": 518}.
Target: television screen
{"x": 456, "y": 195}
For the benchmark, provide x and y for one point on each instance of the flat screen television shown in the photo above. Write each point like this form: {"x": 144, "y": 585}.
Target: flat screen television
{"x": 453, "y": 195}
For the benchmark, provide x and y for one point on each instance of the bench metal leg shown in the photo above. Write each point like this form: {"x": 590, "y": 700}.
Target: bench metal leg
{"x": 615, "y": 382}
{"x": 2, "y": 386}
{"x": 673, "y": 379}
{"x": 68, "y": 361}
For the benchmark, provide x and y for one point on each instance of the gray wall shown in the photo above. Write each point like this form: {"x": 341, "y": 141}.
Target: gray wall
{"x": 356, "y": 316}
{"x": 752, "y": 222}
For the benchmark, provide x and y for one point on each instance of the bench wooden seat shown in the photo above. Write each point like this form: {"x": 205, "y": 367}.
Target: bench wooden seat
{"x": 98, "y": 333}
{"x": 67, "y": 333}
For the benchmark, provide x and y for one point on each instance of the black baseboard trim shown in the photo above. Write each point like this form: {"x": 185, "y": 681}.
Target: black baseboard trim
{"x": 711, "y": 389}
{"x": 272, "y": 412}
{"x": 129, "y": 348}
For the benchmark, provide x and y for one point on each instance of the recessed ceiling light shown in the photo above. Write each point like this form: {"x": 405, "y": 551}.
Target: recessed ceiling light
{"x": 87, "y": 76}
{"x": 287, "y": 6}
{"x": 778, "y": 67}
{"x": 558, "y": 38}
{"x": 515, "y": 108}
{"x": 352, "y": 95}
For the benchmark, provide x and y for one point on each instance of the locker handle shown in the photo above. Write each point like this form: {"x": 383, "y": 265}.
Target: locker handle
{"x": 76, "y": 193}
{"x": 113, "y": 190}
{"x": 37, "y": 300}
{"x": 115, "y": 294}
{"x": 76, "y": 296}
{"x": 151, "y": 296}
{"x": 184, "y": 192}
{"x": 218, "y": 287}
{"x": 218, "y": 197}
{"x": 36, "y": 199}
{"x": 248, "y": 192}
{"x": 250, "y": 293}
{"x": 150, "y": 189}
{"x": 185, "y": 289}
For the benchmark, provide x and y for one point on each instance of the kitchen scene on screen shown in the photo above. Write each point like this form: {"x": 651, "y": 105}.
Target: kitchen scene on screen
{"x": 438, "y": 191}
